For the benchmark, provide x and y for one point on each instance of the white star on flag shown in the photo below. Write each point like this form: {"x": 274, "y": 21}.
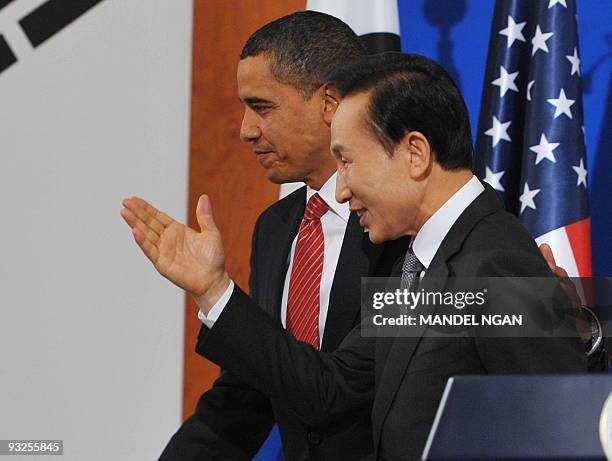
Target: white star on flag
{"x": 505, "y": 81}
{"x": 562, "y": 105}
{"x": 526, "y": 198}
{"x": 544, "y": 150}
{"x": 494, "y": 179}
{"x": 498, "y": 131}
{"x": 539, "y": 41}
{"x": 552, "y": 3}
{"x": 575, "y": 60}
{"x": 581, "y": 171}
{"x": 513, "y": 31}
{"x": 529, "y": 85}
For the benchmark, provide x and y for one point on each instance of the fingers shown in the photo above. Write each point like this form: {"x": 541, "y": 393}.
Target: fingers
{"x": 550, "y": 259}
{"x": 150, "y": 221}
{"x": 548, "y": 256}
{"x": 147, "y": 225}
{"x": 160, "y": 216}
{"x": 148, "y": 248}
{"x": 561, "y": 273}
{"x": 204, "y": 214}
{"x": 135, "y": 223}
{"x": 568, "y": 286}
{"x": 147, "y": 213}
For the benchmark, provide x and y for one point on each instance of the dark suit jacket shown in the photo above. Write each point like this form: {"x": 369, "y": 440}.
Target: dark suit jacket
{"x": 232, "y": 420}
{"x": 404, "y": 377}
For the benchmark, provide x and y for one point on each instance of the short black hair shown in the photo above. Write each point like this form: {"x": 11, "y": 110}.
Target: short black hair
{"x": 304, "y": 48}
{"x": 409, "y": 92}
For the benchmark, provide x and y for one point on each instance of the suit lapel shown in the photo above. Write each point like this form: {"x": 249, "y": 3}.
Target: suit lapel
{"x": 397, "y": 353}
{"x": 358, "y": 257}
{"x": 286, "y": 227}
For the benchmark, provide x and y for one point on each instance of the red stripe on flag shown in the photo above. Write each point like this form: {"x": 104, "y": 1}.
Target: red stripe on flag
{"x": 579, "y": 236}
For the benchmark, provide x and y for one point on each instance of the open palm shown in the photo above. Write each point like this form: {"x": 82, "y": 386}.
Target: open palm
{"x": 192, "y": 260}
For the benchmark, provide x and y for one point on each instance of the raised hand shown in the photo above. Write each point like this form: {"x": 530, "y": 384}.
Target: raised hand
{"x": 194, "y": 261}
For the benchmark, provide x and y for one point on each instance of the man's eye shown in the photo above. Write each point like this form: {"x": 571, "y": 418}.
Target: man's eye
{"x": 261, "y": 109}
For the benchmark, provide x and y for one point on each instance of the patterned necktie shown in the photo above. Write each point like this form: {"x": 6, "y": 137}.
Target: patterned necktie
{"x": 304, "y": 286}
{"x": 410, "y": 270}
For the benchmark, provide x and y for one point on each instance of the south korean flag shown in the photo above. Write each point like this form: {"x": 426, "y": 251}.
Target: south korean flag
{"x": 376, "y": 22}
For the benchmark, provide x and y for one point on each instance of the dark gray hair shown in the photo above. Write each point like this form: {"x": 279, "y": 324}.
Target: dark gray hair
{"x": 304, "y": 48}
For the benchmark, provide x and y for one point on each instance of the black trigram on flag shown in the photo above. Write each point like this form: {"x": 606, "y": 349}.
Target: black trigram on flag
{"x": 7, "y": 57}
{"x": 376, "y": 23}
{"x": 43, "y": 23}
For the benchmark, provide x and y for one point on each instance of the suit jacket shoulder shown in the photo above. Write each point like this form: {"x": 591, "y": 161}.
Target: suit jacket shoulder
{"x": 285, "y": 209}
{"x": 486, "y": 235}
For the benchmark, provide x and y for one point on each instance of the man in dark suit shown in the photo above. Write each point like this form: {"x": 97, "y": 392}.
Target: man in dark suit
{"x": 288, "y": 110}
{"x": 402, "y": 142}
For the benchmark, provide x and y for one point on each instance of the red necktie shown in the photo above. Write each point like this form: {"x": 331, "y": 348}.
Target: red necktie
{"x": 304, "y": 286}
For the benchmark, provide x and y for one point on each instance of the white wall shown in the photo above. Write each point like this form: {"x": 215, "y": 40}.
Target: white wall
{"x": 91, "y": 338}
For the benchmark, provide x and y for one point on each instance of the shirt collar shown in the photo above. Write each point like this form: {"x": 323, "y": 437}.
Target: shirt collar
{"x": 328, "y": 193}
{"x": 429, "y": 238}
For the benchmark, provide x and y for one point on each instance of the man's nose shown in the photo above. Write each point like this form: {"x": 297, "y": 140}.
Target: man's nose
{"x": 343, "y": 193}
{"x": 249, "y": 130}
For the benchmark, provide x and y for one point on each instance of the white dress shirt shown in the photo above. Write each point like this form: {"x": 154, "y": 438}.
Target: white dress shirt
{"x": 334, "y": 223}
{"x": 427, "y": 241}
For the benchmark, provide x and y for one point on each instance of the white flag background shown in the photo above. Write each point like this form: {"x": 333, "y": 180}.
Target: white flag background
{"x": 97, "y": 112}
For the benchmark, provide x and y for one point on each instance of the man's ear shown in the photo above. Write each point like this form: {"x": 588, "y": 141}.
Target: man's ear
{"x": 416, "y": 153}
{"x": 331, "y": 100}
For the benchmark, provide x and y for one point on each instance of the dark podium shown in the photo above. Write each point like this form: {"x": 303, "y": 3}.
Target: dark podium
{"x": 528, "y": 417}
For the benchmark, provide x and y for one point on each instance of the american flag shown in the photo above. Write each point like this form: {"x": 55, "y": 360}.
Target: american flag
{"x": 530, "y": 143}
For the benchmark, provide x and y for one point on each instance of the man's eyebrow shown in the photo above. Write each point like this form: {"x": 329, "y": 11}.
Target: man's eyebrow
{"x": 253, "y": 100}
